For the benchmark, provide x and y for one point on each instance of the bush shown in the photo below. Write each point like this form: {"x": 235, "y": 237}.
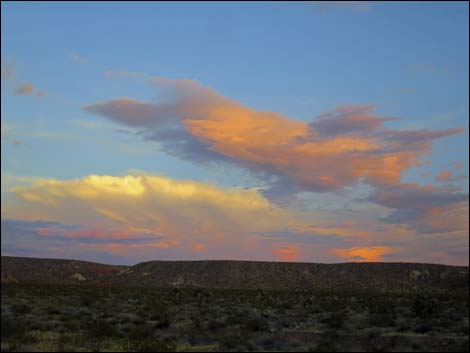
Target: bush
{"x": 423, "y": 306}
{"x": 64, "y": 343}
{"x": 87, "y": 299}
{"x": 147, "y": 345}
{"x": 12, "y": 328}
{"x": 141, "y": 332}
{"x": 257, "y": 324}
{"x": 21, "y": 309}
{"x": 101, "y": 328}
{"x": 423, "y": 328}
{"x": 336, "y": 320}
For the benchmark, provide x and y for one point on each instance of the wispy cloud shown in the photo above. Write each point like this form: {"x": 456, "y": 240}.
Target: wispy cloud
{"x": 7, "y": 134}
{"x": 8, "y": 71}
{"x": 79, "y": 58}
{"x": 448, "y": 176}
{"x": 27, "y": 89}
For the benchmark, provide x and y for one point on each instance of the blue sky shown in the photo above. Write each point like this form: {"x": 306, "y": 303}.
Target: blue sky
{"x": 409, "y": 60}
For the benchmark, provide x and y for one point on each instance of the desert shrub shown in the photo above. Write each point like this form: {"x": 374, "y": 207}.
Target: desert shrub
{"x": 65, "y": 343}
{"x": 159, "y": 313}
{"x": 141, "y": 332}
{"x": 100, "y": 328}
{"x": 12, "y": 328}
{"x": 196, "y": 318}
{"x": 230, "y": 341}
{"x": 423, "y": 306}
{"x": 13, "y": 347}
{"x": 53, "y": 311}
{"x": 215, "y": 325}
{"x": 257, "y": 324}
{"x": 402, "y": 325}
{"x": 328, "y": 344}
{"x": 147, "y": 345}
{"x": 374, "y": 341}
{"x": 94, "y": 344}
{"x": 19, "y": 309}
{"x": 87, "y": 299}
{"x": 464, "y": 346}
{"x": 424, "y": 327}
{"x": 335, "y": 320}
{"x": 381, "y": 320}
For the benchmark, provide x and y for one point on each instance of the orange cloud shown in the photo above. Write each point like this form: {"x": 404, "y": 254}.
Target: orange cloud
{"x": 362, "y": 254}
{"x": 85, "y": 233}
{"x": 338, "y": 149}
{"x": 447, "y": 175}
{"x": 198, "y": 247}
{"x": 27, "y": 89}
{"x": 287, "y": 252}
{"x": 24, "y": 89}
{"x": 444, "y": 175}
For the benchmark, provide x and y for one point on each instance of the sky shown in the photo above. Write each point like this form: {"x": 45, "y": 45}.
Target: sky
{"x": 270, "y": 131}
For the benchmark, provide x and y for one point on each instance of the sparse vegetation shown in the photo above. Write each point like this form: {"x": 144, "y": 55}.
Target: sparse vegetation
{"x": 92, "y": 317}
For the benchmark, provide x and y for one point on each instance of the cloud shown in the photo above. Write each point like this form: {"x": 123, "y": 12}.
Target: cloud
{"x": 6, "y": 130}
{"x": 448, "y": 176}
{"x": 338, "y": 149}
{"x": 348, "y": 120}
{"x": 7, "y": 134}
{"x": 150, "y": 204}
{"x": 48, "y": 239}
{"x": 362, "y": 254}
{"x": 142, "y": 113}
{"x": 8, "y": 72}
{"x": 27, "y": 89}
{"x": 24, "y": 90}
{"x": 198, "y": 247}
{"x": 287, "y": 252}
{"x": 427, "y": 209}
{"x": 78, "y": 58}
{"x": 94, "y": 234}
{"x": 444, "y": 175}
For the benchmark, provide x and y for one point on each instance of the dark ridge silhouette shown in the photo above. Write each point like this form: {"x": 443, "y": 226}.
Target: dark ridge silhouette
{"x": 226, "y": 274}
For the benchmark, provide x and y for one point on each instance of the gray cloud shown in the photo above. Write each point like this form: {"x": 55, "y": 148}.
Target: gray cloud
{"x": 424, "y": 208}
{"x": 348, "y": 119}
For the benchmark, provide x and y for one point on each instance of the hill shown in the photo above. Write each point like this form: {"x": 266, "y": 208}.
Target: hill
{"x": 24, "y": 269}
{"x": 389, "y": 277}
